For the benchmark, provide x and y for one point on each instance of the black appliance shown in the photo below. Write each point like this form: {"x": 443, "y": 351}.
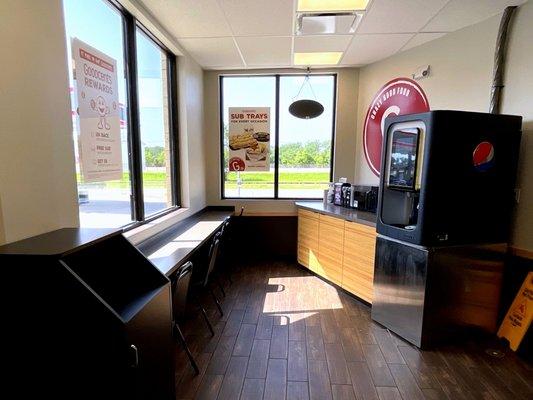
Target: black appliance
{"x": 448, "y": 177}
{"x": 92, "y": 314}
{"x": 341, "y": 193}
{"x": 445, "y": 201}
{"x": 364, "y": 198}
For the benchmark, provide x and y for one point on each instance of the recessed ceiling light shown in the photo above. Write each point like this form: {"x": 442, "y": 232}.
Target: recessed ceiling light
{"x": 325, "y": 58}
{"x": 331, "y": 5}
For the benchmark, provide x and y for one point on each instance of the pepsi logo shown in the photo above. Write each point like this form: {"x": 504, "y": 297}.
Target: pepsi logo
{"x": 398, "y": 97}
{"x": 483, "y": 156}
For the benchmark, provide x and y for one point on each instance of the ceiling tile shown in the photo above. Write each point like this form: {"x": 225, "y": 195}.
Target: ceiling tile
{"x": 265, "y": 50}
{"x": 422, "y": 38}
{"x": 366, "y": 49}
{"x": 213, "y": 52}
{"x": 394, "y": 16}
{"x": 458, "y": 14}
{"x": 190, "y": 18}
{"x": 257, "y": 17}
{"x": 322, "y": 43}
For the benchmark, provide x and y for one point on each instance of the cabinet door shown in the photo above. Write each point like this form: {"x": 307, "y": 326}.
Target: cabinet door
{"x": 308, "y": 239}
{"x": 358, "y": 260}
{"x": 330, "y": 243}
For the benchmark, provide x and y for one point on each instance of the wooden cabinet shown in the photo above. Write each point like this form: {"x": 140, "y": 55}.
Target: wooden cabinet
{"x": 330, "y": 244}
{"x": 358, "y": 259}
{"x": 338, "y": 250}
{"x": 308, "y": 240}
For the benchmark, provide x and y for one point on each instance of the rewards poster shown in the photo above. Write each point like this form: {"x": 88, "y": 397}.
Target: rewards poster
{"x": 98, "y": 109}
{"x": 249, "y": 139}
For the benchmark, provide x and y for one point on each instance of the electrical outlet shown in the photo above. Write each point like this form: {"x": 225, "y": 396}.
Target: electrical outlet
{"x": 517, "y": 195}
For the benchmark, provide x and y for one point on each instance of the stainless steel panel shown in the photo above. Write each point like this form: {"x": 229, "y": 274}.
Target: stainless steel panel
{"x": 399, "y": 288}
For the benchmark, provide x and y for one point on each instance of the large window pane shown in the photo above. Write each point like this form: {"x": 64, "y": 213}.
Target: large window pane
{"x": 305, "y": 144}
{"x": 249, "y": 91}
{"x": 154, "y": 123}
{"x": 108, "y": 203}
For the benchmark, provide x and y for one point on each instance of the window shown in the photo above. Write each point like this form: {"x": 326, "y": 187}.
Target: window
{"x": 301, "y": 154}
{"x": 154, "y": 124}
{"x": 305, "y": 145}
{"x": 146, "y": 96}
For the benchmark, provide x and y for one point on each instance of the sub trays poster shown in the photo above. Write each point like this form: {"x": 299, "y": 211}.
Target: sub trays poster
{"x": 249, "y": 139}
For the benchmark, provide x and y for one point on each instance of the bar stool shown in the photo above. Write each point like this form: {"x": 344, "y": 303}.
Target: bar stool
{"x": 205, "y": 283}
{"x": 224, "y": 249}
{"x": 180, "y": 292}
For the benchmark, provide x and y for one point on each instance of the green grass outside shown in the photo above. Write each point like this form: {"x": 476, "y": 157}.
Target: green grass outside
{"x": 287, "y": 180}
{"x": 255, "y": 180}
{"x": 150, "y": 180}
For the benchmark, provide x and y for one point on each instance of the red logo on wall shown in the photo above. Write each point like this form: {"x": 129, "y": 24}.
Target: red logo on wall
{"x": 398, "y": 97}
{"x": 483, "y": 156}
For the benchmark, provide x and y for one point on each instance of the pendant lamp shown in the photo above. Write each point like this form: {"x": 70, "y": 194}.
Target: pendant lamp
{"x": 306, "y": 108}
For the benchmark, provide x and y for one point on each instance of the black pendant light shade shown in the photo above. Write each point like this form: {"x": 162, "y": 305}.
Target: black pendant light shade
{"x": 306, "y": 109}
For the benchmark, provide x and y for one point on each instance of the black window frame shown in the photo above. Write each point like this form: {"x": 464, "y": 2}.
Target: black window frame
{"x": 130, "y": 24}
{"x": 276, "y": 133}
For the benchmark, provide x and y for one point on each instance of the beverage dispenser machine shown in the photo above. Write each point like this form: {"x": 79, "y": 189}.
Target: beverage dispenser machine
{"x": 445, "y": 201}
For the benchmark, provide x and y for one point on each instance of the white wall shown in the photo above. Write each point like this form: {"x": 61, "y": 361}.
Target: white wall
{"x": 192, "y": 134}
{"x": 347, "y": 86}
{"x": 37, "y": 171}
{"x": 37, "y": 174}
{"x": 461, "y": 78}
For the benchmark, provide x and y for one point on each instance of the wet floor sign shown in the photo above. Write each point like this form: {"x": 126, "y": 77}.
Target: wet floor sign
{"x": 518, "y": 318}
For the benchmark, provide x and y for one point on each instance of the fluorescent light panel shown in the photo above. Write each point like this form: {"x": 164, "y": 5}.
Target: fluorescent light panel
{"x": 331, "y": 5}
{"x": 324, "y": 58}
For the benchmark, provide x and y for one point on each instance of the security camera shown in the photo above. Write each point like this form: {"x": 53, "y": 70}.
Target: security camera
{"x": 421, "y": 72}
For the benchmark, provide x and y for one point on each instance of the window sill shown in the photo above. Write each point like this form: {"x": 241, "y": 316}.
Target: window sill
{"x": 153, "y": 227}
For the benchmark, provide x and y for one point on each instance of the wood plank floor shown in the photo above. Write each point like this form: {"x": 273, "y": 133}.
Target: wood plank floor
{"x": 287, "y": 334}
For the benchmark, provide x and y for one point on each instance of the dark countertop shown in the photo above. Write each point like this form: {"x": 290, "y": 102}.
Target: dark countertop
{"x": 58, "y": 242}
{"x": 348, "y": 214}
{"x": 175, "y": 245}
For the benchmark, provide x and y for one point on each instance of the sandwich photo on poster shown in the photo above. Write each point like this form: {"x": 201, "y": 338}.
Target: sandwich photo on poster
{"x": 249, "y": 139}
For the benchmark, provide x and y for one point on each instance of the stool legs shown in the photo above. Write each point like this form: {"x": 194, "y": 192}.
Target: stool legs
{"x": 216, "y": 302}
{"x": 204, "y": 314}
{"x": 184, "y": 344}
{"x": 221, "y": 287}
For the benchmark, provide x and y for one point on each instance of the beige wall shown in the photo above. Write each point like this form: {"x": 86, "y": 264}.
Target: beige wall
{"x": 37, "y": 180}
{"x": 461, "y": 73}
{"x": 347, "y": 84}
{"x": 461, "y": 77}
{"x": 37, "y": 171}
{"x": 518, "y": 99}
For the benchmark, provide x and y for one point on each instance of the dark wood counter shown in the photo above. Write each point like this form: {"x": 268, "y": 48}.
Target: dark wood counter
{"x": 174, "y": 246}
{"x": 348, "y": 214}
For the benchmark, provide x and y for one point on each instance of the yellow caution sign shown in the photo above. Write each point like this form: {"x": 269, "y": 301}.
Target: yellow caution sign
{"x": 518, "y": 319}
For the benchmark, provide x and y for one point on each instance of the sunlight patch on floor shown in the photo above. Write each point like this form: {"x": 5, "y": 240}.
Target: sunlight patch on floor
{"x": 300, "y": 296}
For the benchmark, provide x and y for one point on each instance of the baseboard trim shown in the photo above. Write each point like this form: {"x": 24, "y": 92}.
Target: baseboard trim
{"x": 523, "y": 253}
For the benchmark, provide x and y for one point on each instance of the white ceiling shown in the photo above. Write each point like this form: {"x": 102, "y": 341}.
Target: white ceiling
{"x": 230, "y": 34}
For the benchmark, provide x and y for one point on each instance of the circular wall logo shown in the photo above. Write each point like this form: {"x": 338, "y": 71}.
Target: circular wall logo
{"x": 236, "y": 164}
{"x": 397, "y": 97}
{"x": 483, "y": 156}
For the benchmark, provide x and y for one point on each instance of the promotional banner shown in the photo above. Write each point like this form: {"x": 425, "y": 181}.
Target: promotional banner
{"x": 249, "y": 139}
{"x": 99, "y": 115}
{"x": 397, "y": 97}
